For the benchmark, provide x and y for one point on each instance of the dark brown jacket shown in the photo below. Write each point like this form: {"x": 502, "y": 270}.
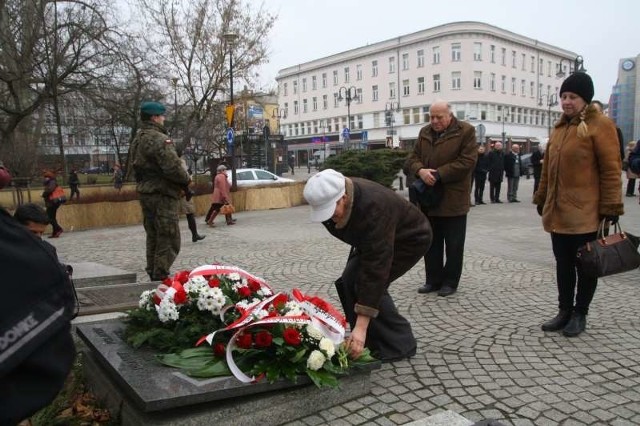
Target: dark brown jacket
{"x": 454, "y": 156}
{"x": 383, "y": 227}
{"x": 581, "y": 177}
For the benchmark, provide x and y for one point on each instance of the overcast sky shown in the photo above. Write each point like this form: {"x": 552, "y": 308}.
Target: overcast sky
{"x": 601, "y": 31}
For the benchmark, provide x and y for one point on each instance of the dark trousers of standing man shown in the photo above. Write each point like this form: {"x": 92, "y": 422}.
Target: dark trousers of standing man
{"x": 565, "y": 248}
{"x": 494, "y": 191}
{"x": 389, "y": 335}
{"x": 448, "y": 238}
{"x": 480, "y": 181}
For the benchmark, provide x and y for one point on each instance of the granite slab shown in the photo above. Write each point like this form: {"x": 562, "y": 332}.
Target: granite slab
{"x": 92, "y": 274}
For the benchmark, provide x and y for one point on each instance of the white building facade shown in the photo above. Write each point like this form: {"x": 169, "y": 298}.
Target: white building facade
{"x": 503, "y": 83}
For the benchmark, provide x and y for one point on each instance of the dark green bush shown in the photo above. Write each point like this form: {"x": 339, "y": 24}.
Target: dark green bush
{"x": 380, "y": 165}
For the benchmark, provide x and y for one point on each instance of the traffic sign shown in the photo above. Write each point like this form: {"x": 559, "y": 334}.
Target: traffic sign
{"x": 230, "y": 135}
{"x": 345, "y": 133}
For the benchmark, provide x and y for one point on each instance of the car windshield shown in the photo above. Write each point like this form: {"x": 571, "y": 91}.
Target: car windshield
{"x": 245, "y": 175}
{"x": 263, "y": 175}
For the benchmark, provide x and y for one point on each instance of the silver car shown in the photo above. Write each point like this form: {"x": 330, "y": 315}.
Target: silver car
{"x": 252, "y": 177}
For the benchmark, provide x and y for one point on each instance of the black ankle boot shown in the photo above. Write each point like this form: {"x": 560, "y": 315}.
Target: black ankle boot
{"x": 558, "y": 322}
{"x": 195, "y": 238}
{"x": 576, "y": 325}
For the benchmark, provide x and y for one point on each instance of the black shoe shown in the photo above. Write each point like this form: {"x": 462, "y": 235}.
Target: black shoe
{"x": 428, "y": 288}
{"x": 576, "y": 325}
{"x": 498, "y": 202}
{"x": 630, "y": 195}
{"x": 197, "y": 238}
{"x": 447, "y": 291}
{"x": 515, "y": 201}
{"x": 558, "y": 322}
{"x": 481, "y": 202}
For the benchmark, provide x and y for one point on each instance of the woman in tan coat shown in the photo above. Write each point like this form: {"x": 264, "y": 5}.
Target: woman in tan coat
{"x": 221, "y": 196}
{"x": 580, "y": 185}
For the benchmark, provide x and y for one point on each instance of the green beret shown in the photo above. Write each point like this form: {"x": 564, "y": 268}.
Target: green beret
{"x": 153, "y": 108}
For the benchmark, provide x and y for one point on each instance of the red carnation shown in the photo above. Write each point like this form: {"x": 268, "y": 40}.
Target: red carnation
{"x": 254, "y": 285}
{"x": 182, "y": 277}
{"x": 263, "y": 339}
{"x": 244, "y": 341}
{"x": 181, "y": 295}
{"x": 291, "y": 336}
{"x": 280, "y": 301}
{"x": 219, "y": 349}
{"x": 214, "y": 282}
{"x": 244, "y": 291}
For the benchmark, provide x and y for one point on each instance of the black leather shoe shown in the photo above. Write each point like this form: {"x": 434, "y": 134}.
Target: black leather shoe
{"x": 515, "y": 201}
{"x": 446, "y": 291}
{"x": 558, "y": 322}
{"x": 498, "y": 202}
{"x": 197, "y": 238}
{"x": 576, "y": 325}
{"x": 428, "y": 288}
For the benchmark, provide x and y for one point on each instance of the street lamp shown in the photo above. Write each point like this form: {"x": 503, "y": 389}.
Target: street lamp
{"x": 389, "y": 109}
{"x": 504, "y": 108}
{"x": 348, "y": 94}
{"x": 578, "y": 66}
{"x": 231, "y": 38}
{"x": 552, "y": 100}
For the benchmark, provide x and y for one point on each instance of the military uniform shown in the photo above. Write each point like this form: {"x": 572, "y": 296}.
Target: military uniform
{"x": 160, "y": 179}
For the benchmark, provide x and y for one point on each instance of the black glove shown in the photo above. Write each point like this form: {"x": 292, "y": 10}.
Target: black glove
{"x": 613, "y": 219}
{"x": 539, "y": 207}
{"x": 188, "y": 193}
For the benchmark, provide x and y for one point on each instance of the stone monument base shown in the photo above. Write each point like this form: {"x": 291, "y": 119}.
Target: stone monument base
{"x": 139, "y": 390}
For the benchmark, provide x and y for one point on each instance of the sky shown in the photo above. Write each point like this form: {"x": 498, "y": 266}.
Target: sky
{"x": 601, "y": 31}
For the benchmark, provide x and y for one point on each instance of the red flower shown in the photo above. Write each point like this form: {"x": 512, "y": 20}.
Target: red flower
{"x": 219, "y": 349}
{"x": 182, "y": 277}
{"x": 244, "y": 291}
{"x": 181, "y": 295}
{"x": 244, "y": 341}
{"x": 291, "y": 336}
{"x": 214, "y": 282}
{"x": 280, "y": 301}
{"x": 254, "y": 285}
{"x": 263, "y": 339}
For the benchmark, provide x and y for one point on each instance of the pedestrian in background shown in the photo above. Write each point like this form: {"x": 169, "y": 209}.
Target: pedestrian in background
{"x": 118, "y": 177}
{"x": 496, "y": 172}
{"x": 53, "y": 196}
{"x": 186, "y": 201}
{"x": 445, "y": 154}
{"x": 580, "y": 186}
{"x": 480, "y": 174}
{"x": 160, "y": 180}
{"x": 536, "y": 164}
{"x": 221, "y": 196}
{"x": 74, "y": 183}
{"x": 513, "y": 170}
{"x": 292, "y": 163}
{"x": 631, "y": 176}
{"x": 388, "y": 236}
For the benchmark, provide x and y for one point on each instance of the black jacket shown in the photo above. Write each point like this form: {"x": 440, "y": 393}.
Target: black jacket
{"x": 510, "y": 160}
{"x": 496, "y": 166}
{"x": 482, "y": 166}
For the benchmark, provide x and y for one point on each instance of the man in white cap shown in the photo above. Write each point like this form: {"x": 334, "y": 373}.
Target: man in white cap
{"x": 388, "y": 236}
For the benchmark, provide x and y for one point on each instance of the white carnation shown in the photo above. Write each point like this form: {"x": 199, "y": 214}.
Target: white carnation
{"x": 316, "y": 360}
{"x": 327, "y": 346}
{"x": 314, "y": 332}
{"x": 211, "y": 299}
{"x": 196, "y": 284}
{"x": 265, "y": 292}
{"x": 167, "y": 310}
{"x": 146, "y": 300}
{"x": 292, "y": 309}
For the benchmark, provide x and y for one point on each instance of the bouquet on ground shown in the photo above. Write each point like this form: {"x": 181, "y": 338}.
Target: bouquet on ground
{"x": 250, "y": 331}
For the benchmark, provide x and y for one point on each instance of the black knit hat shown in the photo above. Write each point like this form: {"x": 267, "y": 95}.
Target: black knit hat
{"x": 579, "y": 83}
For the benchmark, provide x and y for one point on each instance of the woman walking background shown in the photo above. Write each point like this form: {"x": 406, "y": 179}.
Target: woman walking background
{"x": 221, "y": 196}
{"x": 53, "y": 196}
{"x": 580, "y": 185}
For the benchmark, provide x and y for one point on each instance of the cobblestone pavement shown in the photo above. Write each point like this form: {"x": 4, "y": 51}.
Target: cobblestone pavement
{"x": 481, "y": 352}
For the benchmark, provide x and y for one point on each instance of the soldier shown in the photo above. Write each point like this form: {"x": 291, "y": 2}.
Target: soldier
{"x": 160, "y": 179}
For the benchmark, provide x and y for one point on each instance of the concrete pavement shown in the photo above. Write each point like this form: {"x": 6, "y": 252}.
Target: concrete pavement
{"x": 481, "y": 352}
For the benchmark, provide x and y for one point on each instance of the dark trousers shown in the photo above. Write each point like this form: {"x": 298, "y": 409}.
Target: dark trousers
{"x": 52, "y": 211}
{"x": 565, "y": 248}
{"x": 74, "y": 190}
{"x": 389, "y": 335}
{"x": 448, "y": 238}
{"x": 536, "y": 180}
{"x": 480, "y": 181}
{"x": 631, "y": 183}
{"x": 494, "y": 190}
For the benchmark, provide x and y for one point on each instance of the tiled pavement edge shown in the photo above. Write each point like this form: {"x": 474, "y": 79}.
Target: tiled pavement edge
{"x": 481, "y": 351}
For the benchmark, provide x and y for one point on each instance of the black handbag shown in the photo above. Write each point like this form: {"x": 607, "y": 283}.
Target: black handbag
{"x": 609, "y": 255}
{"x": 424, "y": 195}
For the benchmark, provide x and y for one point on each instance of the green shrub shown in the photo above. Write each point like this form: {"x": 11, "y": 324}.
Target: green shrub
{"x": 380, "y": 165}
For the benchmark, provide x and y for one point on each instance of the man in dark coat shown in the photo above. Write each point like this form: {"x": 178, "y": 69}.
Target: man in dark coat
{"x": 496, "y": 172}
{"x": 388, "y": 236}
{"x": 513, "y": 170}
{"x": 446, "y": 155}
{"x": 536, "y": 163}
{"x": 480, "y": 174}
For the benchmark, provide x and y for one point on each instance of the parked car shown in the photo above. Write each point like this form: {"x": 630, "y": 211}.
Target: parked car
{"x": 251, "y": 177}
{"x": 91, "y": 170}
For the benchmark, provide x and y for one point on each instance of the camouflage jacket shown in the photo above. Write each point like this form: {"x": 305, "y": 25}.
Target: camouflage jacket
{"x": 156, "y": 165}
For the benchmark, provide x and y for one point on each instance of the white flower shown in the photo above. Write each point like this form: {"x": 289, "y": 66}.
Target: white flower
{"x": 292, "y": 309}
{"x": 146, "y": 300}
{"x": 196, "y": 284}
{"x": 234, "y": 276}
{"x": 264, "y": 292}
{"x": 167, "y": 310}
{"x": 327, "y": 346}
{"x": 314, "y": 332}
{"x": 316, "y": 360}
{"x": 211, "y": 299}
{"x": 260, "y": 314}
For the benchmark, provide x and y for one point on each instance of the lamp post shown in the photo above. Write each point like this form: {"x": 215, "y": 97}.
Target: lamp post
{"x": 347, "y": 94}
{"x": 389, "y": 109}
{"x": 504, "y": 108}
{"x": 231, "y": 38}
{"x": 578, "y": 66}
{"x": 552, "y": 100}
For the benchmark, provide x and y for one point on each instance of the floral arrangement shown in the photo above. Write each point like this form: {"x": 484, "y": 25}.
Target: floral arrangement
{"x": 251, "y": 331}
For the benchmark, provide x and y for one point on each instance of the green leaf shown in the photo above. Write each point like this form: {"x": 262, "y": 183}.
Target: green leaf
{"x": 215, "y": 368}
{"x": 322, "y": 378}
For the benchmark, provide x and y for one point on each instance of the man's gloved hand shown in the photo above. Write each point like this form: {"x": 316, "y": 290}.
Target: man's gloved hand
{"x": 539, "y": 208}
{"x": 611, "y": 218}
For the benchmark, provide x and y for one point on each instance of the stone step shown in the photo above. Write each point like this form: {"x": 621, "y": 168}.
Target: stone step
{"x": 91, "y": 274}
{"x": 111, "y": 298}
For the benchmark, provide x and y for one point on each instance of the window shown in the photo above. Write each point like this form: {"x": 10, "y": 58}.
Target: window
{"x": 359, "y": 95}
{"x": 304, "y": 85}
{"x": 392, "y": 90}
{"x": 477, "y": 80}
{"x": 304, "y": 106}
{"x": 533, "y": 64}
{"x": 376, "y": 119}
{"x": 420, "y": 85}
{"x": 406, "y": 116}
{"x": 425, "y": 114}
{"x": 416, "y": 115}
{"x": 455, "y": 80}
{"x": 492, "y": 82}
{"x": 392, "y": 64}
{"x": 477, "y": 51}
{"x": 286, "y": 108}
{"x": 286, "y": 89}
{"x": 295, "y": 87}
{"x": 359, "y": 72}
{"x": 513, "y": 85}
{"x": 335, "y": 100}
{"x": 540, "y": 66}
{"x": 335, "y": 77}
{"x": 524, "y": 62}
{"x": 532, "y": 88}
{"x": 455, "y": 52}
{"x": 492, "y": 54}
{"x": 346, "y": 74}
{"x": 504, "y": 57}
{"x": 314, "y": 83}
{"x": 296, "y": 108}
{"x": 325, "y": 102}
{"x": 374, "y": 68}
{"x": 436, "y": 82}
{"x": 374, "y": 93}
{"x": 405, "y": 61}
{"x": 324, "y": 80}
{"x": 503, "y": 84}
{"x": 420, "y": 58}
{"x": 314, "y": 104}
{"x": 405, "y": 87}
{"x": 549, "y": 69}
{"x": 513, "y": 59}
{"x": 436, "y": 54}
{"x": 523, "y": 88}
